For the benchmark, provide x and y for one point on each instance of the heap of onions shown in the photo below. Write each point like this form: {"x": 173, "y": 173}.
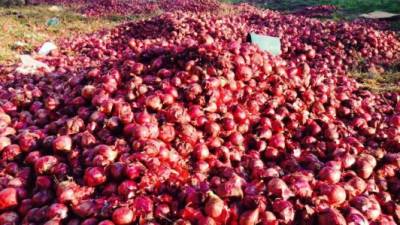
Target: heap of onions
{"x": 97, "y": 8}
{"x": 177, "y": 120}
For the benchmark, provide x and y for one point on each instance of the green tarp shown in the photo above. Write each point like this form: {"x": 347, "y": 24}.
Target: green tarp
{"x": 53, "y": 21}
{"x": 266, "y": 43}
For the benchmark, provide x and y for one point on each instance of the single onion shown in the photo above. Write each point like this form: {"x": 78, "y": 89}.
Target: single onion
{"x": 8, "y": 198}
{"x": 214, "y": 205}
{"x": 62, "y": 144}
{"x": 123, "y": 216}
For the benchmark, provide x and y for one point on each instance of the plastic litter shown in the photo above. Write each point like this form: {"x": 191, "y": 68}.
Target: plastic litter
{"x": 55, "y": 8}
{"x": 30, "y": 65}
{"x": 53, "y": 21}
{"x": 379, "y": 15}
{"x": 47, "y": 48}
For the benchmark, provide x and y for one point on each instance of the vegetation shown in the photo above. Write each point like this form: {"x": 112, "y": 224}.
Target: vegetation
{"x": 379, "y": 82}
{"x": 12, "y": 2}
{"x": 24, "y": 28}
{"x": 350, "y": 5}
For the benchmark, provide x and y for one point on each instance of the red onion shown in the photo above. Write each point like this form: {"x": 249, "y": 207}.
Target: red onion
{"x": 355, "y": 217}
{"x": 94, "y": 176}
{"x": 207, "y": 221}
{"x": 4, "y": 142}
{"x": 214, "y": 205}
{"x": 250, "y": 217}
{"x": 106, "y": 222}
{"x": 331, "y": 216}
{"x": 278, "y": 187}
{"x": 365, "y": 165}
{"x": 62, "y": 143}
{"x": 284, "y": 209}
{"x": 58, "y": 211}
{"x": 335, "y": 194}
{"x": 356, "y": 186}
{"x": 369, "y": 207}
{"x": 8, "y": 198}
{"x": 122, "y": 216}
{"x": 44, "y": 164}
{"x": 330, "y": 174}
{"x": 231, "y": 188}
{"x": 9, "y": 218}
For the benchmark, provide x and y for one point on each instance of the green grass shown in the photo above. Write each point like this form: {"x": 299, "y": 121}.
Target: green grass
{"x": 348, "y": 9}
{"x": 379, "y": 82}
{"x": 23, "y": 28}
{"x": 350, "y": 5}
{"x": 232, "y": 1}
{"x": 395, "y": 25}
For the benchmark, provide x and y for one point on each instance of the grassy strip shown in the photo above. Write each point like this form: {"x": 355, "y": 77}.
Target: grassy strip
{"x": 24, "y": 28}
{"x": 356, "y": 6}
{"x": 350, "y": 5}
{"x": 379, "y": 82}
{"x": 349, "y": 9}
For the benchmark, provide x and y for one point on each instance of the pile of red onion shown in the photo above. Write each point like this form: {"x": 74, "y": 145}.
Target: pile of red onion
{"x": 97, "y": 8}
{"x": 317, "y": 11}
{"x": 59, "y": 2}
{"x": 134, "y": 7}
{"x": 131, "y": 7}
{"x": 177, "y": 120}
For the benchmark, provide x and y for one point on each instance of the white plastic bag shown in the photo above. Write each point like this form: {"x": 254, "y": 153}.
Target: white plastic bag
{"x": 47, "y": 48}
{"x": 30, "y": 65}
{"x": 55, "y": 8}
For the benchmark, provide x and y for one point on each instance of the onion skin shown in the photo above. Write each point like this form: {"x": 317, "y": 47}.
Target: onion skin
{"x": 4, "y": 142}
{"x": 214, "y": 205}
{"x": 249, "y": 217}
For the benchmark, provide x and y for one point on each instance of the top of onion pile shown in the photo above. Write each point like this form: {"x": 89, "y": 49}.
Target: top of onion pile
{"x": 176, "y": 120}
{"x": 135, "y": 7}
